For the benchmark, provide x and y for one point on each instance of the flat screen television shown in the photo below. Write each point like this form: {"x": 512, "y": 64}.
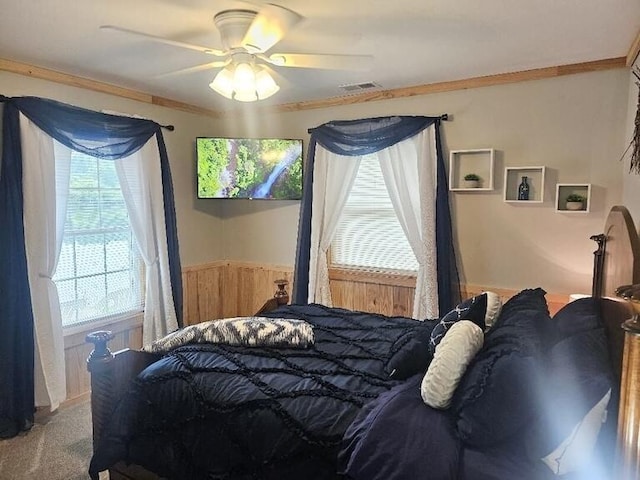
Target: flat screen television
{"x": 256, "y": 168}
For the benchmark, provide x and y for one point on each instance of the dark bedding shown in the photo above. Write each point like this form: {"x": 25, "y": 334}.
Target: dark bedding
{"x": 228, "y": 412}
{"x": 532, "y": 404}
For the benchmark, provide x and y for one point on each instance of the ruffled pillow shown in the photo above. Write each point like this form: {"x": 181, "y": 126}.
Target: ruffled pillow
{"x": 496, "y": 397}
{"x": 453, "y": 355}
{"x": 482, "y": 310}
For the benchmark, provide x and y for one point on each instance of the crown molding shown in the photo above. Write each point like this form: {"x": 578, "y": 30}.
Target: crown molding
{"x": 426, "y": 89}
{"x": 96, "y": 86}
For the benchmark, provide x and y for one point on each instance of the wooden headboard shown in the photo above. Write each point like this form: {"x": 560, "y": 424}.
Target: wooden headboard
{"x": 622, "y": 252}
{"x": 621, "y": 266}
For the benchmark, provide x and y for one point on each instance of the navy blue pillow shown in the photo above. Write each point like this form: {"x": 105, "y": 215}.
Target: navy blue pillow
{"x": 473, "y": 309}
{"x": 578, "y": 316}
{"x": 527, "y": 299}
{"x": 410, "y": 353}
{"x": 497, "y": 394}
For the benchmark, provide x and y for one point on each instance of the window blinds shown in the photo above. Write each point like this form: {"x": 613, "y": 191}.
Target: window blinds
{"x": 99, "y": 270}
{"x": 369, "y": 235}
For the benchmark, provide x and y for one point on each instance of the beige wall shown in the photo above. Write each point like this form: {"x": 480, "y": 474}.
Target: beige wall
{"x": 200, "y": 224}
{"x": 574, "y": 125}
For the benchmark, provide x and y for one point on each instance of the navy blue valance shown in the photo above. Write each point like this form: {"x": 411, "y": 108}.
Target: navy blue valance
{"x": 97, "y": 134}
{"x": 362, "y": 137}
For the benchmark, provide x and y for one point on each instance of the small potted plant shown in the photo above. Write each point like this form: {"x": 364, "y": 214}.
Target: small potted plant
{"x": 471, "y": 180}
{"x": 575, "y": 202}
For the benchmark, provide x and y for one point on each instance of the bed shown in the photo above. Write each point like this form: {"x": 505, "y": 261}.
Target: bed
{"x": 373, "y": 397}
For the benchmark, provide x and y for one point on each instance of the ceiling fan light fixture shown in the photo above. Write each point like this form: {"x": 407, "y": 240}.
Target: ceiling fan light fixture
{"x": 244, "y": 82}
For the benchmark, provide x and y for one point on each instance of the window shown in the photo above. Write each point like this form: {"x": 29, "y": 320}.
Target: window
{"x": 369, "y": 235}
{"x": 100, "y": 271}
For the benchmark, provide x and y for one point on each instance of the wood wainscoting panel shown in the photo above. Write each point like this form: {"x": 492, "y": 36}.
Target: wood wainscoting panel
{"x": 228, "y": 289}
{"x": 203, "y": 292}
{"x": 369, "y": 297}
{"x": 247, "y": 286}
{"x": 375, "y": 292}
{"x": 128, "y": 334}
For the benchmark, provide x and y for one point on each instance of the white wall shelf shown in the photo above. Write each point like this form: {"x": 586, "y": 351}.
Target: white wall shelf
{"x": 463, "y": 162}
{"x": 535, "y": 179}
{"x": 563, "y": 190}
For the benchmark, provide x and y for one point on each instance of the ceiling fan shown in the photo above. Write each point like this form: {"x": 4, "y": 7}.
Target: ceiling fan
{"x": 247, "y": 36}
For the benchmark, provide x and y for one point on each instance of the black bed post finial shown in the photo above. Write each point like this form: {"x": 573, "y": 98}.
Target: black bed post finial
{"x": 598, "y": 264}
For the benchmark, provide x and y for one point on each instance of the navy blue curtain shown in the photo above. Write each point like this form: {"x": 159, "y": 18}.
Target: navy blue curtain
{"x": 362, "y": 137}
{"x": 16, "y": 317}
{"x": 81, "y": 130}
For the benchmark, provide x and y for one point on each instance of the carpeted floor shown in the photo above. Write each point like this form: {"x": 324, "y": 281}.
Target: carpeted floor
{"x": 57, "y": 448}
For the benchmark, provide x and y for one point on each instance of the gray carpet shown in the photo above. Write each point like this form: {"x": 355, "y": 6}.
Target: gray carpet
{"x": 57, "y": 448}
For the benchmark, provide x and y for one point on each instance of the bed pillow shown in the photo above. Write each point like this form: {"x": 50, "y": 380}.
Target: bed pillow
{"x": 573, "y": 397}
{"x": 481, "y": 310}
{"x": 578, "y": 316}
{"x": 527, "y": 299}
{"x": 453, "y": 355}
{"x": 496, "y": 397}
{"x": 410, "y": 354}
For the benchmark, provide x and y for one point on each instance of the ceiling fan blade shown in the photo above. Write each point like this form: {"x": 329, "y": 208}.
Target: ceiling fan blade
{"x": 197, "y": 68}
{"x": 271, "y": 24}
{"x": 166, "y": 41}
{"x": 330, "y": 62}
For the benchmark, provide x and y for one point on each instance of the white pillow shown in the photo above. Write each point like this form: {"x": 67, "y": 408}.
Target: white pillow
{"x": 575, "y": 450}
{"x": 494, "y": 306}
{"x": 452, "y": 356}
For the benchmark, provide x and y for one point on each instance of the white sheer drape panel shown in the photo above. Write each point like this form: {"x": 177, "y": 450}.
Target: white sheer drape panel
{"x": 333, "y": 177}
{"x": 46, "y": 171}
{"x": 409, "y": 171}
{"x": 141, "y": 183}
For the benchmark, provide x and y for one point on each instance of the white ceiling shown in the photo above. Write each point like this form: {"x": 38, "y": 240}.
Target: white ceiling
{"x": 413, "y": 42}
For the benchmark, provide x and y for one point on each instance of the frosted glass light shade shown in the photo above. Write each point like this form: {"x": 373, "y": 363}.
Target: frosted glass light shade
{"x": 223, "y": 83}
{"x": 265, "y": 85}
{"x": 244, "y": 83}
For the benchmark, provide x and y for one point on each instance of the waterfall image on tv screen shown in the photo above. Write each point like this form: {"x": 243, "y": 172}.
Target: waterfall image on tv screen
{"x": 266, "y": 168}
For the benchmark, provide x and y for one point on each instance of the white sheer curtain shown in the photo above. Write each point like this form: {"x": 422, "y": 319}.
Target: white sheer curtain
{"x": 409, "y": 171}
{"x": 333, "y": 177}
{"x": 46, "y": 170}
{"x": 141, "y": 183}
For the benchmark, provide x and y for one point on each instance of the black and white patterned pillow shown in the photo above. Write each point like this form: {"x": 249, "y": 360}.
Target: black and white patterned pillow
{"x": 481, "y": 310}
{"x": 241, "y": 331}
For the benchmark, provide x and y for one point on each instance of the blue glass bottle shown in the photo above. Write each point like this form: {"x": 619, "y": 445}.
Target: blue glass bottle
{"x": 523, "y": 190}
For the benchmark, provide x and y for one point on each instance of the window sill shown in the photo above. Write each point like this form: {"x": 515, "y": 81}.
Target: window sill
{"x": 390, "y": 277}
{"x": 75, "y": 335}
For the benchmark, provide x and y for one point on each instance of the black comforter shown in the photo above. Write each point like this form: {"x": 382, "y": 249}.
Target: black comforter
{"x": 224, "y": 412}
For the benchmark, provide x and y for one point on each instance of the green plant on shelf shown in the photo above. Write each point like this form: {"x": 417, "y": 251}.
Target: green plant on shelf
{"x": 574, "y": 197}
{"x": 471, "y": 177}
